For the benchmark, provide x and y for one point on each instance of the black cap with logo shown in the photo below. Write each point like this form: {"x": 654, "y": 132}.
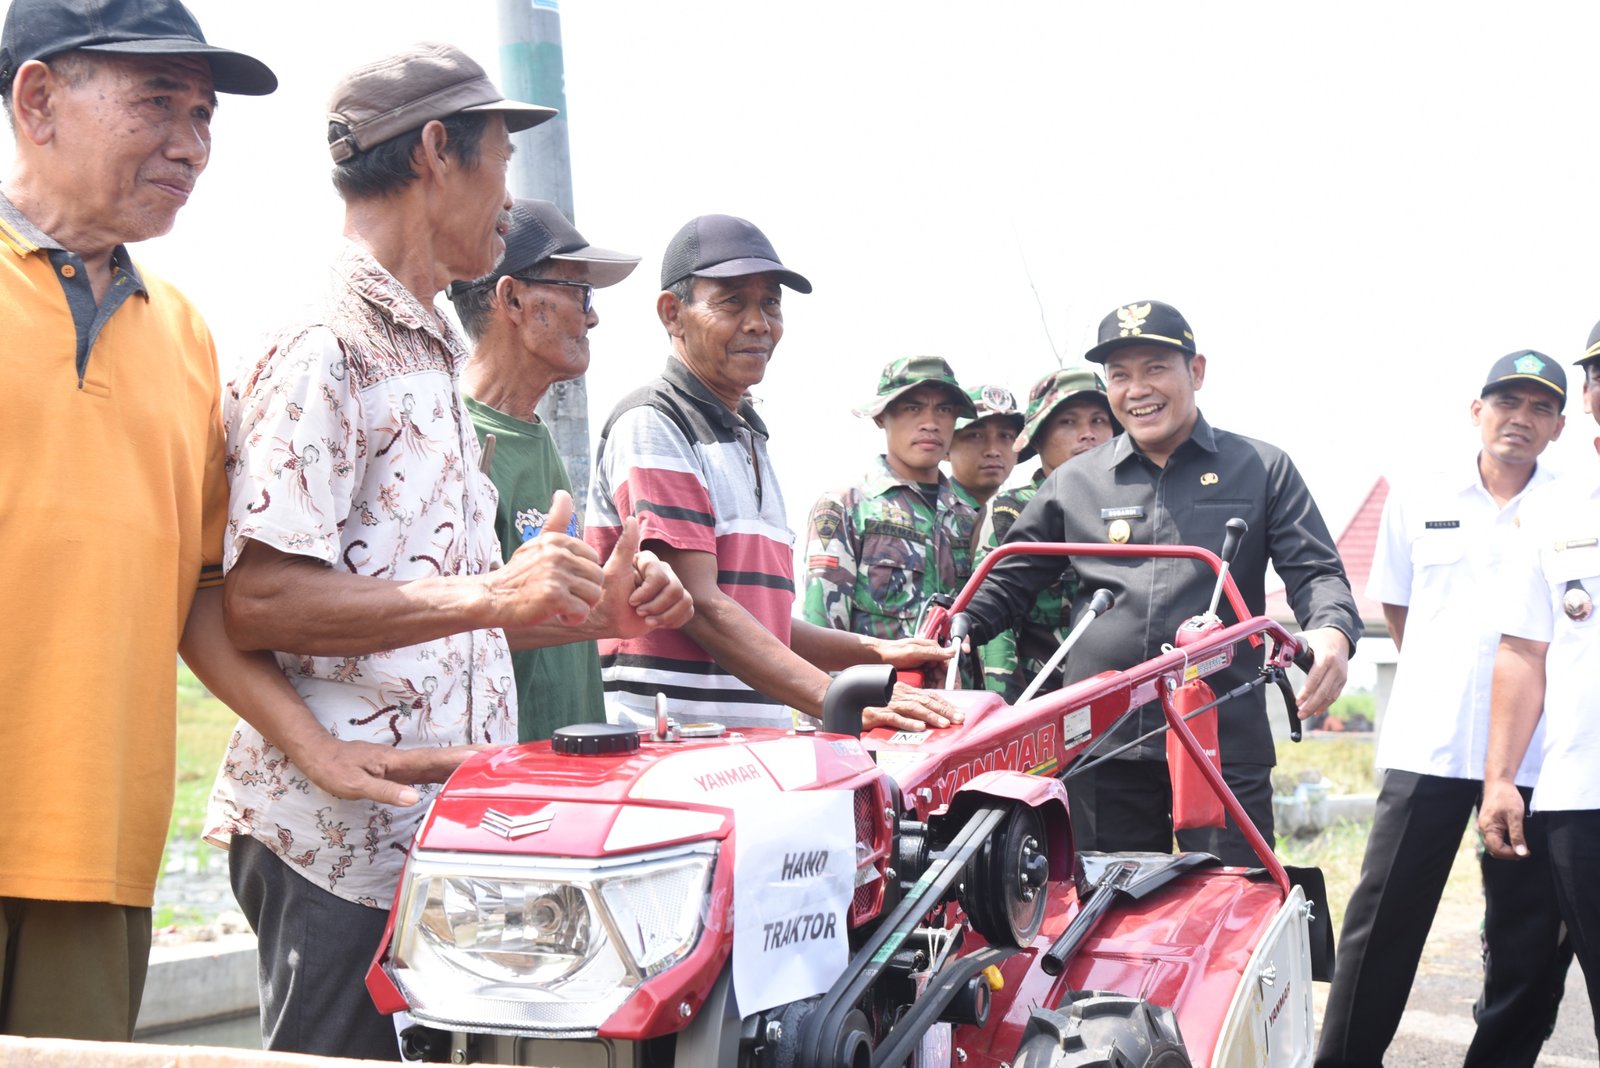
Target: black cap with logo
{"x": 1144, "y": 322}
{"x": 1526, "y": 365}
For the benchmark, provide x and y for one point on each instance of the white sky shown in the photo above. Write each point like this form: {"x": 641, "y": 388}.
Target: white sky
{"x": 1357, "y": 206}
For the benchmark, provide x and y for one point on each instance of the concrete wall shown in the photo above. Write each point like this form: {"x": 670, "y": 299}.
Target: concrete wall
{"x": 62, "y": 1053}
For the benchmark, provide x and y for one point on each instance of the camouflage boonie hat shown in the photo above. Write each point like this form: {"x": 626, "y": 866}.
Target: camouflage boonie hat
{"x": 906, "y": 374}
{"x": 992, "y": 400}
{"x": 1050, "y": 393}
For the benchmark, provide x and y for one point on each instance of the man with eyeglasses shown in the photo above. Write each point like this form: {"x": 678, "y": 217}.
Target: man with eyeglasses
{"x": 529, "y": 321}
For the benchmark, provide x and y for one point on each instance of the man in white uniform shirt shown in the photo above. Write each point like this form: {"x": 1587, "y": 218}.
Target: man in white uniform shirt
{"x": 1547, "y": 660}
{"x": 1439, "y": 548}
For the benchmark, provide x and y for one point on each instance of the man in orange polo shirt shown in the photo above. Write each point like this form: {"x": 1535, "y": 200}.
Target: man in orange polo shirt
{"x": 112, "y": 505}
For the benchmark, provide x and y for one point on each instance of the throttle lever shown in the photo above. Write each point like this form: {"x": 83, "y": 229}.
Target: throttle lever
{"x": 1234, "y": 531}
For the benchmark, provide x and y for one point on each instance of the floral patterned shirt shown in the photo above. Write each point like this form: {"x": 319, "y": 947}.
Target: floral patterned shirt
{"x": 348, "y": 442}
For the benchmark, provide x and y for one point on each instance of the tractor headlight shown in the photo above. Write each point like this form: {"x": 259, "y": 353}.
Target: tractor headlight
{"x": 541, "y": 944}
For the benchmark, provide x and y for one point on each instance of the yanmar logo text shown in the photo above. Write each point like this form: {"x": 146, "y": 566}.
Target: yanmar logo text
{"x": 1033, "y": 753}
{"x": 716, "y": 780}
{"x": 1283, "y": 999}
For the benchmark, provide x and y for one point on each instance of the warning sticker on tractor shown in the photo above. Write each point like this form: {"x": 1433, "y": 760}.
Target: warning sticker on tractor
{"x": 909, "y": 737}
{"x": 1205, "y": 667}
{"x": 893, "y": 762}
{"x": 1075, "y": 727}
{"x": 793, "y": 879}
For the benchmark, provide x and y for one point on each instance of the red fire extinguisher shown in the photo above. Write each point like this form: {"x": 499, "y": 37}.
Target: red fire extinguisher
{"x": 1194, "y": 802}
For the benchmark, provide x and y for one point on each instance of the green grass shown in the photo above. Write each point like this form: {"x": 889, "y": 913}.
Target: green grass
{"x": 1338, "y": 850}
{"x": 204, "y": 727}
{"x": 1346, "y": 761}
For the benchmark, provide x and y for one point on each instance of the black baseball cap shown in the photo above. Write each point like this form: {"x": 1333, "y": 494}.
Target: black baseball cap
{"x": 723, "y": 246}
{"x": 1526, "y": 365}
{"x": 1591, "y": 352}
{"x": 1144, "y": 322}
{"x": 39, "y": 29}
{"x": 540, "y": 234}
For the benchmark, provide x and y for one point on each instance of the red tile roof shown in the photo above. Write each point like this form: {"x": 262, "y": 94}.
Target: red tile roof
{"x": 1356, "y": 546}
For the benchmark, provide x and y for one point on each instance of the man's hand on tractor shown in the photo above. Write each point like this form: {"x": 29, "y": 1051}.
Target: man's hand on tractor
{"x": 382, "y": 773}
{"x": 1325, "y": 682}
{"x": 910, "y": 652}
{"x": 911, "y": 709}
{"x": 1500, "y": 817}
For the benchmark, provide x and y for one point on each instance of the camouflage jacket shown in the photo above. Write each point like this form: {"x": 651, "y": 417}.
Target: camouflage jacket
{"x": 1013, "y": 657}
{"x": 877, "y": 551}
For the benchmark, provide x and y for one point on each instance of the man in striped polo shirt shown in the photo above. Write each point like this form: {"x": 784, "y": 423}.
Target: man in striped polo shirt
{"x": 687, "y": 454}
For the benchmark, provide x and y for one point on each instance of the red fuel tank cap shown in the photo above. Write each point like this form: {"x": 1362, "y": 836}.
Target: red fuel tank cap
{"x": 595, "y": 739}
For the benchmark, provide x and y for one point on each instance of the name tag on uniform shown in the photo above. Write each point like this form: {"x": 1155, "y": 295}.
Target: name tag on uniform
{"x": 1441, "y": 524}
{"x": 1131, "y": 512}
{"x": 1577, "y": 543}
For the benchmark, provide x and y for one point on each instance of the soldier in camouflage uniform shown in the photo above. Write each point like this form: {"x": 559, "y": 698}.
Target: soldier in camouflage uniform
{"x": 879, "y": 549}
{"x": 981, "y": 453}
{"x": 1068, "y": 414}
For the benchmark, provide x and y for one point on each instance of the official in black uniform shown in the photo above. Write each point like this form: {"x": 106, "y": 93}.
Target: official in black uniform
{"x": 1172, "y": 479}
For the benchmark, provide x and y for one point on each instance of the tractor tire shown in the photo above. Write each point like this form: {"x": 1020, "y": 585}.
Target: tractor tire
{"x": 1102, "y": 1030}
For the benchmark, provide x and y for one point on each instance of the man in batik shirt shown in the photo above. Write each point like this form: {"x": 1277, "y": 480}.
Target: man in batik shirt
{"x": 361, "y": 546}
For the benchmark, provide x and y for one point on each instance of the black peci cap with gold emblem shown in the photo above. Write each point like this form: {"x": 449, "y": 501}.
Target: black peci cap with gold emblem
{"x": 1144, "y": 322}
{"x": 1591, "y": 352}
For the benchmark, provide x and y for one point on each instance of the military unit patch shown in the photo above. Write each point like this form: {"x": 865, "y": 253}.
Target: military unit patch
{"x": 999, "y": 399}
{"x": 828, "y": 523}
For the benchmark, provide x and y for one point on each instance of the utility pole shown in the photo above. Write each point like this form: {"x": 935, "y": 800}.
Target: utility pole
{"x": 532, "y": 69}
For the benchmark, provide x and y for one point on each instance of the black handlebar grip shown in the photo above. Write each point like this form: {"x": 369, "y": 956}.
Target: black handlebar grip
{"x": 960, "y": 625}
{"x": 1305, "y": 658}
{"x": 1236, "y": 530}
{"x": 1101, "y": 602}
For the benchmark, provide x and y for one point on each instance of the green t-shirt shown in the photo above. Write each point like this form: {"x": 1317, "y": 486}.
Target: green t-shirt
{"x": 560, "y": 685}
